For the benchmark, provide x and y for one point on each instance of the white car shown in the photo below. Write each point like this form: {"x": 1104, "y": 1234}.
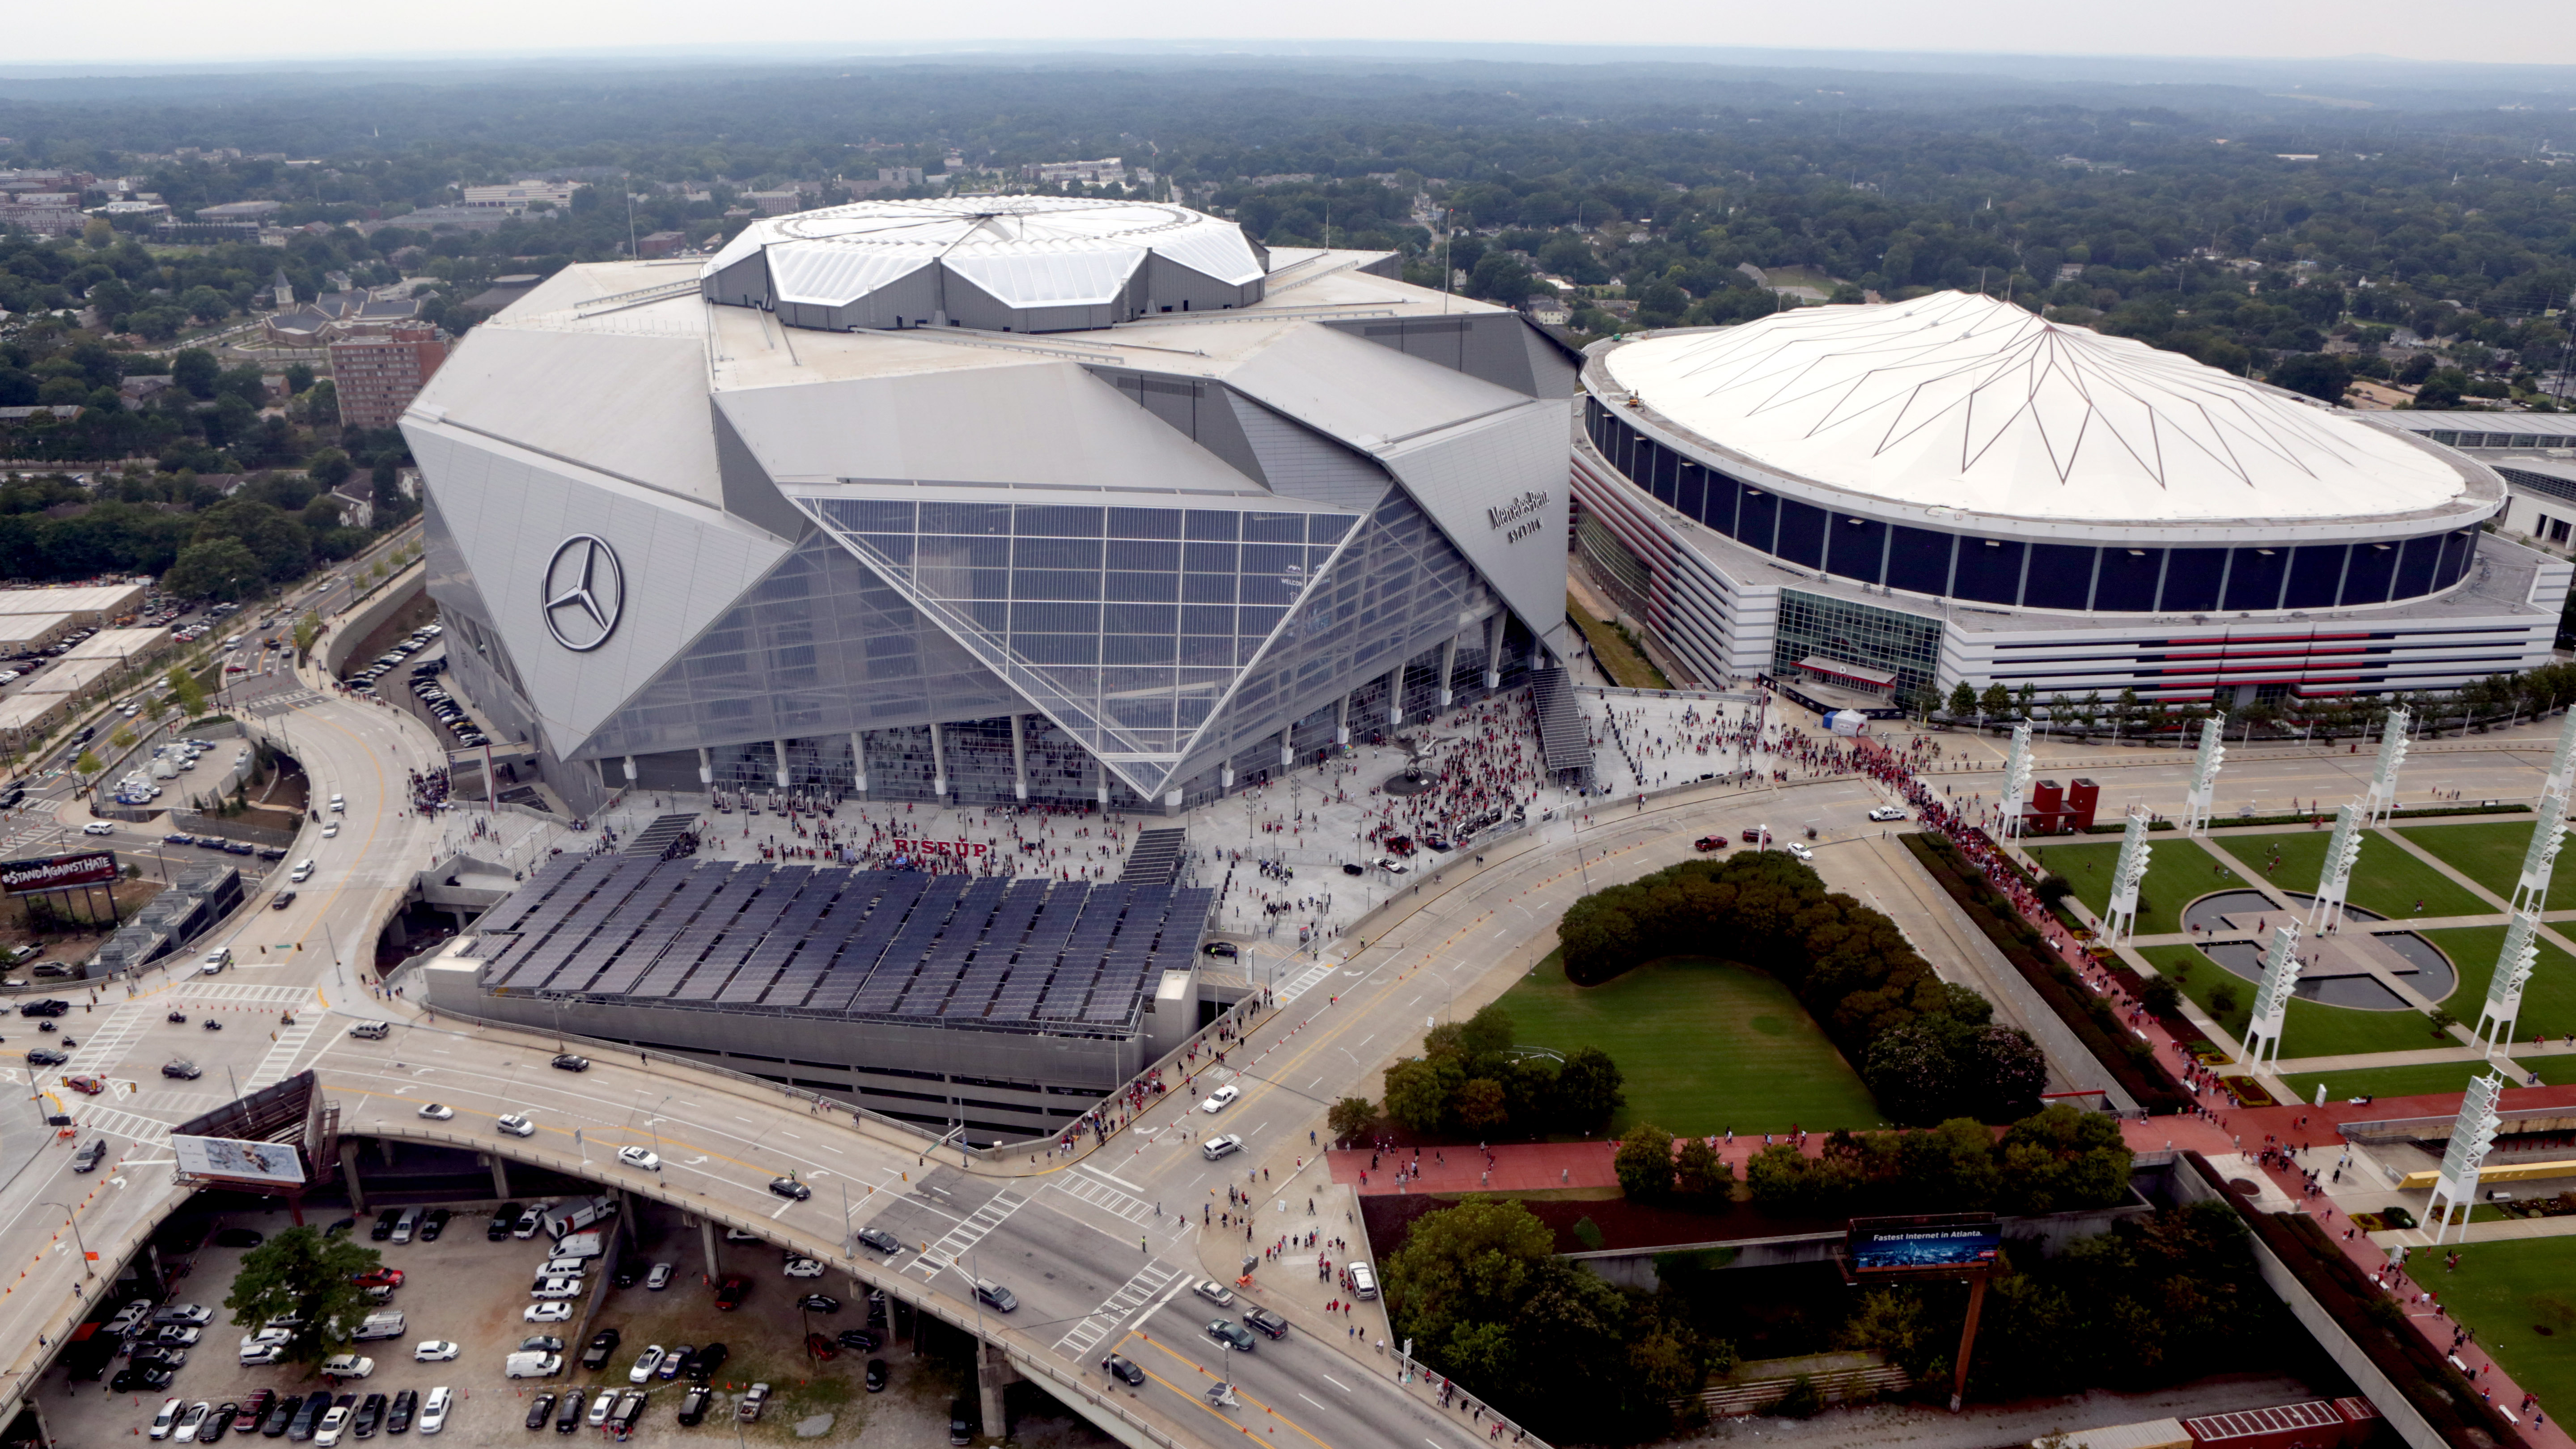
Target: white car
{"x": 98, "y": 827}
{"x": 433, "y": 1410}
{"x": 556, "y": 1287}
{"x": 645, "y": 1362}
{"x": 338, "y": 804}
{"x": 1216, "y": 1147}
{"x": 333, "y": 1425}
{"x": 192, "y": 1421}
{"x": 167, "y": 1420}
{"x": 1220, "y": 1099}
{"x": 330, "y": 830}
{"x": 262, "y": 1355}
{"x": 515, "y": 1125}
{"x": 659, "y": 1278}
{"x": 348, "y": 1366}
{"x": 433, "y": 1350}
{"x": 437, "y": 1112}
{"x": 1799, "y": 851}
{"x": 1389, "y": 864}
{"x": 1887, "y": 812}
{"x": 804, "y": 1268}
{"x": 639, "y": 1157}
{"x": 547, "y": 1313}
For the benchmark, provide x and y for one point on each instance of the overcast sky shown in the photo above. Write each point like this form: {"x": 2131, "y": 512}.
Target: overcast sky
{"x": 2523, "y": 31}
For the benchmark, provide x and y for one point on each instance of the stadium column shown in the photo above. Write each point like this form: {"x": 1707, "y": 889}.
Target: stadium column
{"x": 1448, "y": 666}
{"x": 859, "y": 762}
{"x": 1494, "y": 650}
{"x": 781, "y": 747}
{"x": 1342, "y": 720}
{"x": 1395, "y": 695}
{"x": 1020, "y": 757}
{"x": 630, "y": 769}
{"x": 706, "y": 767}
{"x": 349, "y": 1173}
{"x": 938, "y": 763}
{"x": 1287, "y": 749}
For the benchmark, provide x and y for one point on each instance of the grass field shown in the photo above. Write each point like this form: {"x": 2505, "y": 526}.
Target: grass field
{"x": 2178, "y": 872}
{"x": 2422, "y": 1080}
{"x": 1705, "y": 1045}
{"x": 2313, "y": 1030}
{"x": 2548, "y": 999}
{"x": 2491, "y": 854}
{"x": 2508, "y": 1291}
{"x": 2386, "y": 879}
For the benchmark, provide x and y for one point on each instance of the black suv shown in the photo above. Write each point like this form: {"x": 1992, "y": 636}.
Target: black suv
{"x": 602, "y": 1344}
{"x": 505, "y": 1220}
{"x": 384, "y": 1225}
{"x": 1264, "y": 1321}
{"x": 707, "y": 1360}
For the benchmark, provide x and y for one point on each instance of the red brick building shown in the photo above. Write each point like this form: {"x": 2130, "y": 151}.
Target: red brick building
{"x": 378, "y": 374}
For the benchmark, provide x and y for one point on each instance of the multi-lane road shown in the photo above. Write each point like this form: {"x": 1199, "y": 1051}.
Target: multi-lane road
{"x": 1102, "y": 1252}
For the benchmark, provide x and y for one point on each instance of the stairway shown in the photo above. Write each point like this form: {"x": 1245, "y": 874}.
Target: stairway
{"x": 662, "y": 839}
{"x": 1564, "y": 743}
{"x": 1156, "y": 858}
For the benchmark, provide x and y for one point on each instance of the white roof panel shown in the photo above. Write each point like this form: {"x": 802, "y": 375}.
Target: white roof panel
{"x": 836, "y": 276}
{"x": 1970, "y": 403}
{"x": 1059, "y": 276}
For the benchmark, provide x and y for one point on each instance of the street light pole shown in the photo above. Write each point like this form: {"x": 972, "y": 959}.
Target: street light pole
{"x": 70, "y": 1218}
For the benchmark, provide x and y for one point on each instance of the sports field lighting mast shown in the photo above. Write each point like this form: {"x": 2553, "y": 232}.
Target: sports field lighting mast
{"x": 2334, "y": 877}
{"x": 2204, "y": 777}
{"x": 2561, "y": 780}
{"x": 2120, "y": 922}
{"x": 2272, "y": 997}
{"x": 2504, "y": 990}
{"x": 2540, "y": 859}
{"x": 2392, "y": 756}
{"x": 2017, "y": 772}
{"x": 2455, "y": 1188}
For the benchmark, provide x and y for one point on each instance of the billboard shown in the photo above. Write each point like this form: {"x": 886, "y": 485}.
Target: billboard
{"x": 93, "y": 867}
{"x": 1902, "y": 1247}
{"x": 230, "y": 1157}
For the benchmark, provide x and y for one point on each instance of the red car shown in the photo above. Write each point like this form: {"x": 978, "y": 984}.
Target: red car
{"x": 1753, "y": 836}
{"x": 731, "y": 1292}
{"x": 1711, "y": 842}
{"x": 379, "y": 1278}
{"x": 823, "y": 1349}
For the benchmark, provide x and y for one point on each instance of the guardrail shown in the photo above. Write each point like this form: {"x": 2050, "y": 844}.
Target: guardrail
{"x": 839, "y": 1257}
{"x": 1411, "y": 1370}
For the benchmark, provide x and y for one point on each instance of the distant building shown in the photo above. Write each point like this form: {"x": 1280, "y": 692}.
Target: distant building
{"x": 282, "y": 289}
{"x": 357, "y": 500}
{"x": 1089, "y": 173}
{"x": 661, "y": 244}
{"x": 518, "y": 195}
{"x": 378, "y": 375}
{"x": 771, "y": 203}
{"x": 240, "y": 210}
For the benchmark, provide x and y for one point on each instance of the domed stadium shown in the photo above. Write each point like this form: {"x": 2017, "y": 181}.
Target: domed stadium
{"x": 985, "y": 500}
{"x": 1859, "y": 501}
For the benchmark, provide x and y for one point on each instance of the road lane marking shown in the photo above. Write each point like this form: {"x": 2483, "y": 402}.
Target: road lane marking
{"x": 1336, "y": 1383}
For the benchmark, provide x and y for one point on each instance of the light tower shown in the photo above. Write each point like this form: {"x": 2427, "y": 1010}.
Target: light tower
{"x": 2272, "y": 997}
{"x": 2120, "y": 922}
{"x": 2456, "y": 1188}
{"x": 2392, "y": 754}
{"x": 2547, "y": 834}
{"x": 2204, "y": 777}
{"x": 2335, "y": 876}
{"x": 2016, "y": 780}
{"x": 2562, "y": 765}
{"x": 2504, "y": 989}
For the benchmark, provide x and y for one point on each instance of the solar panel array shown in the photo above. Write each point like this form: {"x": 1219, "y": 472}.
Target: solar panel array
{"x": 832, "y": 942}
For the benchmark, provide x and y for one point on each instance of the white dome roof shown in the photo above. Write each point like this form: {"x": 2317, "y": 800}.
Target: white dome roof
{"x": 1025, "y": 251}
{"x": 1966, "y": 402}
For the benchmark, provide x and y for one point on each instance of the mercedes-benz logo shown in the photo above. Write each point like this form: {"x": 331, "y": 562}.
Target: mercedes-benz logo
{"x": 585, "y": 592}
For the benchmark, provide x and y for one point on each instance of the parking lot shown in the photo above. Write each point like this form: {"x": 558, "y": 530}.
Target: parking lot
{"x": 474, "y": 1292}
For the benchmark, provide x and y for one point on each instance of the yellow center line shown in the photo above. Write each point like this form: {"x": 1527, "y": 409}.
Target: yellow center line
{"x": 1205, "y": 1407}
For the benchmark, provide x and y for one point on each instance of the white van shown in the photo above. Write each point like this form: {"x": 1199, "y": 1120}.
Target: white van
{"x": 580, "y": 1245}
{"x": 532, "y": 1365}
{"x": 1363, "y": 1281}
{"x": 388, "y": 1324}
{"x": 216, "y": 960}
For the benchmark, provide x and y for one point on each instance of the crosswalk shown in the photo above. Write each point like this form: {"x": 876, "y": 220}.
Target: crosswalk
{"x": 117, "y": 1122}
{"x": 960, "y": 1239}
{"x": 1083, "y": 1187}
{"x": 280, "y": 1061}
{"x": 281, "y": 703}
{"x": 246, "y": 993}
{"x": 106, "y": 1044}
{"x": 1312, "y": 977}
{"x": 1115, "y": 1310}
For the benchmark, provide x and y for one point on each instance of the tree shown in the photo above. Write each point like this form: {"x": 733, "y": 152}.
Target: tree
{"x": 301, "y": 1276}
{"x": 88, "y": 764}
{"x": 1463, "y": 1266}
{"x": 2160, "y": 996}
{"x": 123, "y": 739}
{"x": 1926, "y": 700}
{"x": 1700, "y": 1175}
{"x": 2024, "y": 698}
{"x": 220, "y": 568}
{"x": 187, "y": 693}
{"x": 1963, "y": 700}
{"x": 2317, "y": 374}
{"x": 330, "y": 468}
{"x": 2062, "y": 1159}
{"x": 1588, "y": 1090}
{"x": 1645, "y": 1163}
{"x": 1995, "y": 701}
{"x": 1351, "y": 1118}
{"x": 1420, "y": 1089}
{"x": 307, "y": 629}
{"x": 1479, "y": 1104}
{"x": 193, "y": 370}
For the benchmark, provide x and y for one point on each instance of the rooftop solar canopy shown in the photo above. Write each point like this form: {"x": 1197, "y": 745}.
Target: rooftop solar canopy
{"x": 838, "y": 943}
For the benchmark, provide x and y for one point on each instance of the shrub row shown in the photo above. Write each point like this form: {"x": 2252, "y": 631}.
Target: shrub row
{"x": 2304, "y": 817}
{"x": 1928, "y": 1049}
{"x": 2131, "y": 1062}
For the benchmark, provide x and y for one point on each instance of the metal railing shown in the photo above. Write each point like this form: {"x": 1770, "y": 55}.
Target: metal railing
{"x": 1410, "y": 1371}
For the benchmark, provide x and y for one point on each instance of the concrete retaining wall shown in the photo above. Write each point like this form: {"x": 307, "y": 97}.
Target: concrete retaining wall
{"x": 354, "y": 627}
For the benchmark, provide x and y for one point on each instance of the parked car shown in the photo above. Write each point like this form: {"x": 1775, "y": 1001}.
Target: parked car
{"x": 731, "y": 1292}
{"x": 876, "y": 1375}
{"x": 540, "y": 1409}
{"x": 754, "y": 1400}
{"x": 645, "y": 1362}
{"x": 881, "y": 1240}
{"x": 594, "y": 1356}
{"x": 821, "y": 1349}
{"x": 658, "y": 1278}
{"x": 1220, "y": 1099}
{"x": 433, "y": 1410}
{"x": 861, "y": 1339}
{"x": 369, "y": 1418}
{"x": 1230, "y": 1334}
{"x": 819, "y": 1303}
{"x": 693, "y": 1405}
{"x": 1123, "y": 1370}
{"x": 347, "y": 1366}
{"x": 703, "y": 1364}
{"x": 406, "y": 1408}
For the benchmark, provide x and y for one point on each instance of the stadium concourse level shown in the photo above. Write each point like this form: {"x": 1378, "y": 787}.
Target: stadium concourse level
{"x": 829, "y": 941}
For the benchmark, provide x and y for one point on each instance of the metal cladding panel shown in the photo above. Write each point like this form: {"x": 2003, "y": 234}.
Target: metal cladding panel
{"x": 834, "y": 277}
{"x": 1220, "y": 254}
{"x": 682, "y": 566}
{"x": 1302, "y": 463}
{"x": 1061, "y": 277}
{"x": 739, "y": 284}
{"x": 1014, "y": 422}
{"x": 1465, "y": 477}
{"x": 1365, "y": 394}
{"x": 632, "y": 406}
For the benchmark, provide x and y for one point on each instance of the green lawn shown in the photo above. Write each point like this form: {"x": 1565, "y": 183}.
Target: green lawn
{"x": 2509, "y": 1292}
{"x": 1705, "y": 1045}
{"x": 2548, "y": 999}
{"x": 2423, "y": 1080}
{"x": 2313, "y": 1030}
{"x": 2178, "y": 873}
{"x": 2386, "y": 879}
{"x": 2491, "y": 854}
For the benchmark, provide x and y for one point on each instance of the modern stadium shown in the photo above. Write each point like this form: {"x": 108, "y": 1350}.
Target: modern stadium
{"x": 1860, "y": 500}
{"x": 988, "y": 499}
